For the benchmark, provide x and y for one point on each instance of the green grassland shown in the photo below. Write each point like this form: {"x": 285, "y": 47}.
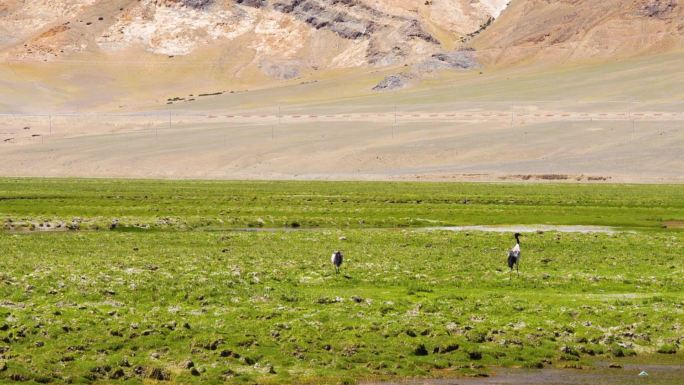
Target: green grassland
{"x": 171, "y": 293}
{"x": 195, "y": 205}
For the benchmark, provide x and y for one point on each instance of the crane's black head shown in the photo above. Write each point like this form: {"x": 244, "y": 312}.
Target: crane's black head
{"x": 516, "y": 237}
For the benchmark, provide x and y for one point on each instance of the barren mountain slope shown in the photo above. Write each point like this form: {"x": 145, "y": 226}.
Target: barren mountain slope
{"x": 302, "y": 33}
{"x": 284, "y": 38}
{"x": 66, "y": 55}
{"x": 558, "y": 31}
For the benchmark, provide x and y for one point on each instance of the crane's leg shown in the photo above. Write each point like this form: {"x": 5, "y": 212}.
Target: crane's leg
{"x": 517, "y": 267}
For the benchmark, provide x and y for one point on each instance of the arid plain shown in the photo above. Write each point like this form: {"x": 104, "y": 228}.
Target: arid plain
{"x": 620, "y": 122}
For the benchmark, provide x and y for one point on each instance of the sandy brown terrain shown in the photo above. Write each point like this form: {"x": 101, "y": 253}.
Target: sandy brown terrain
{"x": 488, "y": 91}
{"x": 479, "y": 143}
{"x": 571, "y": 30}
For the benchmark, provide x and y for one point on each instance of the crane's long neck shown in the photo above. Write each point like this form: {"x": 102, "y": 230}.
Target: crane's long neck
{"x": 517, "y": 240}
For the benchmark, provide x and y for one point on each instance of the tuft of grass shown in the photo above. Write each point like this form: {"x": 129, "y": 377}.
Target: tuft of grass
{"x": 667, "y": 349}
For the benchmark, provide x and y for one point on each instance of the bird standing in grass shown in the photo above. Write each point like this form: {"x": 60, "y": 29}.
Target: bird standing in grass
{"x": 336, "y": 260}
{"x": 514, "y": 255}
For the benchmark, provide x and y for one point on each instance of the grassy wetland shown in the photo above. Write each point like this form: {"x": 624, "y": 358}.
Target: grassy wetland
{"x": 131, "y": 282}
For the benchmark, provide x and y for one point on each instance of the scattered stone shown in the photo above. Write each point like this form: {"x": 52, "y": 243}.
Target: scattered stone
{"x": 614, "y": 366}
{"x": 393, "y": 82}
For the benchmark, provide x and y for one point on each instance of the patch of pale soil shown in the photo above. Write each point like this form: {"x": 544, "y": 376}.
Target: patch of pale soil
{"x": 674, "y": 224}
{"x": 279, "y": 35}
{"x": 494, "y": 7}
{"x": 173, "y": 30}
{"x": 528, "y": 229}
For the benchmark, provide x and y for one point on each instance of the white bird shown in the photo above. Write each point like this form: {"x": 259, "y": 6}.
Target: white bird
{"x": 336, "y": 260}
{"x": 514, "y": 254}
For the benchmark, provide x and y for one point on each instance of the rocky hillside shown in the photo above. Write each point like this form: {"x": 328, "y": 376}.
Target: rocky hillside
{"x": 282, "y": 37}
{"x": 576, "y": 30}
{"x": 160, "y": 47}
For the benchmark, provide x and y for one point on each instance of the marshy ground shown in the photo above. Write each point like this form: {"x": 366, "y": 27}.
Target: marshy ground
{"x": 143, "y": 281}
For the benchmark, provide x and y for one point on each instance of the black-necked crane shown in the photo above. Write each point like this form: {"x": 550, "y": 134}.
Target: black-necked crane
{"x": 514, "y": 254}
{"x": 336, "y": 260}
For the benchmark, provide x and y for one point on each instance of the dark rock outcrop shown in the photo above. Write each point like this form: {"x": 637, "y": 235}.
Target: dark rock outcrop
{"x": 325, "y": 15}
{"x": 195, "y": 4}
{"x": 393, "y": 82}
{"x": 253, "y": 3}
{"x": 456, "y": 60}
{"x": 413, "y": 30}
{"x": 657, "y": 8}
